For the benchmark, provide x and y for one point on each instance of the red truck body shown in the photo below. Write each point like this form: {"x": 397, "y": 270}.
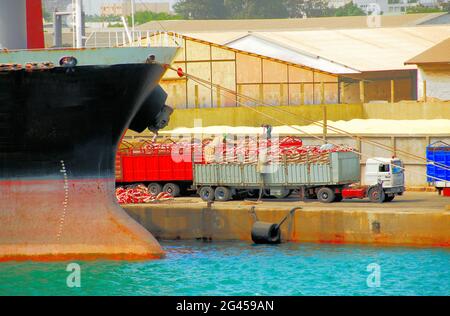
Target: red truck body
{"x": 150, "y": 164}
{"x": 146, "y": 168}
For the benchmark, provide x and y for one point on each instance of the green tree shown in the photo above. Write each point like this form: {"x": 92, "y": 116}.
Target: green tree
{"x": 256, "y": 9}
{"x": 47, "y": 16}
{"x": 307, "y": 8}
{"x": 201, "y": 9}
{"x": 349, "y": 10}
{"x": 423, "y": 9}
{"x": 445, "y": 6}
{"x": 148, "y": 16}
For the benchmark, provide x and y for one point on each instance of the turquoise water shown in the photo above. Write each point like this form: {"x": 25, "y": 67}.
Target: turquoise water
{"x": 197, "y": 268}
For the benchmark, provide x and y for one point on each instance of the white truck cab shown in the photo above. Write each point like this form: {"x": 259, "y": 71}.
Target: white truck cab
{"x": 387, "y": 173}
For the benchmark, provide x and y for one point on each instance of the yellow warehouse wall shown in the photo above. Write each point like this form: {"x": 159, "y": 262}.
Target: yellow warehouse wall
{"x": 243, "y": 116}
{"x": 407, "y": 110}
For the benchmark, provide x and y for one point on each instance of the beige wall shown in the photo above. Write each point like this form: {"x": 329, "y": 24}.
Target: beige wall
{"x": 437, "y": 79}
{"x": 377, "y": 90}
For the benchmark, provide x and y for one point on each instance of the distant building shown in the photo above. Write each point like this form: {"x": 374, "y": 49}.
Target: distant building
{"x": 124, "y": 8}
{"x": 394, "y": 7}
{"x": 61, "y": 5}
{"x": 433, "y": 78}
{"x": 337, "y": 3}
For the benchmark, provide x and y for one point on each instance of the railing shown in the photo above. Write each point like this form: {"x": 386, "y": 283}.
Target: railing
{"x": 99, "y": 39}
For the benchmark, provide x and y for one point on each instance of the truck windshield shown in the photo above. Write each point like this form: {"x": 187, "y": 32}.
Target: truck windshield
{"x": 397, "y": 167}
{"x": 383, "y": 168}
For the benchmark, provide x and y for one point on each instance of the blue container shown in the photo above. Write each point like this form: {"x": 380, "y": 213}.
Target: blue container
{"x": 438, "y": 153}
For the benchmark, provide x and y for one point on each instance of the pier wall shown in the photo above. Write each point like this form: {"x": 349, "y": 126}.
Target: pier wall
{"x": 221, "y": 223}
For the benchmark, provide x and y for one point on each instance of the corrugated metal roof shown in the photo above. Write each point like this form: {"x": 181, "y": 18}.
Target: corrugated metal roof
{"x": 259, "y": 45}
{"x": 375, "y": 49}
{"x": 439, "y": 53}
{"x": 186, "y": 26}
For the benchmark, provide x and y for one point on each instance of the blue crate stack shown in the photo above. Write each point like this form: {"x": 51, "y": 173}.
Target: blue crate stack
{"x": 438, "y": 152}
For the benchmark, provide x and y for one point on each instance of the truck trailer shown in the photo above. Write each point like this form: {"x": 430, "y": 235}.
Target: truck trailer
{"x": 329, "y": 180}
{"x": 326, "y": 173}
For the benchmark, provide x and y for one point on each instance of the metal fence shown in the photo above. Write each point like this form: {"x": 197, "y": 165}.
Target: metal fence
{"x": 117, "y": 38}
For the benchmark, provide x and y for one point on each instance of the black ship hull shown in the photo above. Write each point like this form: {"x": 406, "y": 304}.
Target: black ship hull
{"x": 59, "y": 130}
{"x": 74, "y": 116}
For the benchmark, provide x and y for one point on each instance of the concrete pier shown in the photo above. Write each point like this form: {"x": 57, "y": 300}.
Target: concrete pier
{"x": 416, "y": 219}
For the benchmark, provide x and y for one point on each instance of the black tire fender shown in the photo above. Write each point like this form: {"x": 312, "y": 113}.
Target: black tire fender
{"x": 206, "y": 194}
{"x": 154, "y": 188}
{"x": 172, "y": 188}
{"x": 376, "y": 194}
{"x": 223, "y": 194}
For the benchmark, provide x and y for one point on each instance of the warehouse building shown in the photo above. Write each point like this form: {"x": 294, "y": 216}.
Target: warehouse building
{"x": 301, "y": 67}
{"x": 271, "y": 80}
{"x": 433, "y": 72}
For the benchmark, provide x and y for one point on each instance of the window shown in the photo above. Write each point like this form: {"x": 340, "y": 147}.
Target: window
{"x": 383, "y": 168}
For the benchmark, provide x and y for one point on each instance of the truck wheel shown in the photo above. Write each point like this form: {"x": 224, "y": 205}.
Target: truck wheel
{"x": 154, "y": 188}
{"x": 172, "y": 188}
{"x": 389, "y": 198}
{"x": 376, "y": 195}
{"x": 223, "y": 194}
{"x": 326, "y": 195}
{"x": 206, "y": 194}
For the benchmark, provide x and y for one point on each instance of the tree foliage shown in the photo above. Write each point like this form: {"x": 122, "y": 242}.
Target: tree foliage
{"x": 308, "y": 8}
{"x": 349, "y": 10}
{"x": 148, "y": 16}
{"x": 260, "y": 9}
{"x": 201, "y": 9}
{"x": 256, "y": 9}
{"x": 47, "y": 16}
{"x": 423, "y": 9}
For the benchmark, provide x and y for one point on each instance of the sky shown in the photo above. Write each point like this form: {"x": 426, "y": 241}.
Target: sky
{"x": 93, "y": 6}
